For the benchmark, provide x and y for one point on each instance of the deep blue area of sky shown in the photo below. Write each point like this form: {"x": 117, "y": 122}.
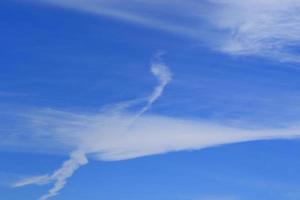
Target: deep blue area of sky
{"x": 64, "y": 59}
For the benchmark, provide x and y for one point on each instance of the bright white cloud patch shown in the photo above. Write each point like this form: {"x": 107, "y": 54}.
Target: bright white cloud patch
{"x": 265, "y": 28}
{"x": 268, "y": 28}
{"x": 108, "y": 137}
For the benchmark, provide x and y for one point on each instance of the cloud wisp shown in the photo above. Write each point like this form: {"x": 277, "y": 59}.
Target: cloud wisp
{"x": 264, "y": 28}
{"x": 121, "y": 135}
{"x": 164, "y": 76}
{"x": 267, "y": 28}
{"x": 78, "y": 158}
{"x": 59, "y": 177}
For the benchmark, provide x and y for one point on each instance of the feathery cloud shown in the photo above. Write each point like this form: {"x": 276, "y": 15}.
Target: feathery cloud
{"x": 59, "y": 177}
{"x": 121, "y": 135}
{"x": 164, "y": 76}
{"x": 78, "y": 157}
{"x": 268, "y": 28}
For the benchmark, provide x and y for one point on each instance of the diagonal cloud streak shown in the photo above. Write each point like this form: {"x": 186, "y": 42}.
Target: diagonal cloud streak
{"x": 268, "y": 28}
{"x": 78, "y": 158}
{"x": 59, "y": 177}
{"x": 164, "y": 76}
{"x": 36, "y": 180}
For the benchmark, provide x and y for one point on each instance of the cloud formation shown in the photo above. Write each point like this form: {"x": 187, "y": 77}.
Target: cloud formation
{"x": 78, "y": 157}
{"x": 106, "y": 135}
{"x": 268, "y": 28}
{"x": 164, "y": 76}
{"x": 256, "y": 27}
{"x": 59, "y": 177}
{"x": 118, "y": 134}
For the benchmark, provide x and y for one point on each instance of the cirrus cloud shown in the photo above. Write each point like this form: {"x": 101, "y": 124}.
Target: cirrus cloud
{"x": 265, "y": 28}
{"x": 118, "y": 134}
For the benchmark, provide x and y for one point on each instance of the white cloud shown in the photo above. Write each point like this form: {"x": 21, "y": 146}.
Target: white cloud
{"x": 264, "y": 28}
{"x": 78, "y": 157}
{"x": 153, "y": 13}
{"x": 59, "y": 177}
{"x": 164, "y": 76}
{"x": 120, "y": 135}
{"x": 107, "y": 135}
{"x": 111, "y": 137}
{"x": 38, "y": 180}
{"x": 267, "y": 28}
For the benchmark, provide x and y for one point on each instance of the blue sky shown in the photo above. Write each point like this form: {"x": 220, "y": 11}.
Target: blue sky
{"x": 179, "y": 100}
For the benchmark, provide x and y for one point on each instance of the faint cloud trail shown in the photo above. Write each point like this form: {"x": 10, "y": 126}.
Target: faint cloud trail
{"x": 37, "y": 180}
{"x": 59, "y": 177}
{"x": 264, "y": 28}
{"x": 79, "y": 158}
{"x": 162, "y": 73}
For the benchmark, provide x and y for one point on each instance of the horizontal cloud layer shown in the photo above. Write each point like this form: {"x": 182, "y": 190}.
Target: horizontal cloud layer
{"x": 110, "y": 136}
{"x": 120, "y": 136}
{"x": 117, "y": 134}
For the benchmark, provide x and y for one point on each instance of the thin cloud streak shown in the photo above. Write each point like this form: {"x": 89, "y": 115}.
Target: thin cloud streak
{"x": 164, "y": 76}
{"x": 133, "y": 11}
{"x": 59, "y": 177}
{"x": 36, "y": 180}
{"x": 261, "y": 28}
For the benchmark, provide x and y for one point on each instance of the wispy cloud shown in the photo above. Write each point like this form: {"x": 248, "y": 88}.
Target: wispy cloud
{"x": 59, "y": 177}
{"x": 163, "y": 75}
{"x": 78, "y": 157}
{"x": 263, "y": 28}
{"x": 121, "y": 135}
{"x": 155, "y": 14}
{"x": 37, "y": 180}
{"x": 107, "y": 136}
